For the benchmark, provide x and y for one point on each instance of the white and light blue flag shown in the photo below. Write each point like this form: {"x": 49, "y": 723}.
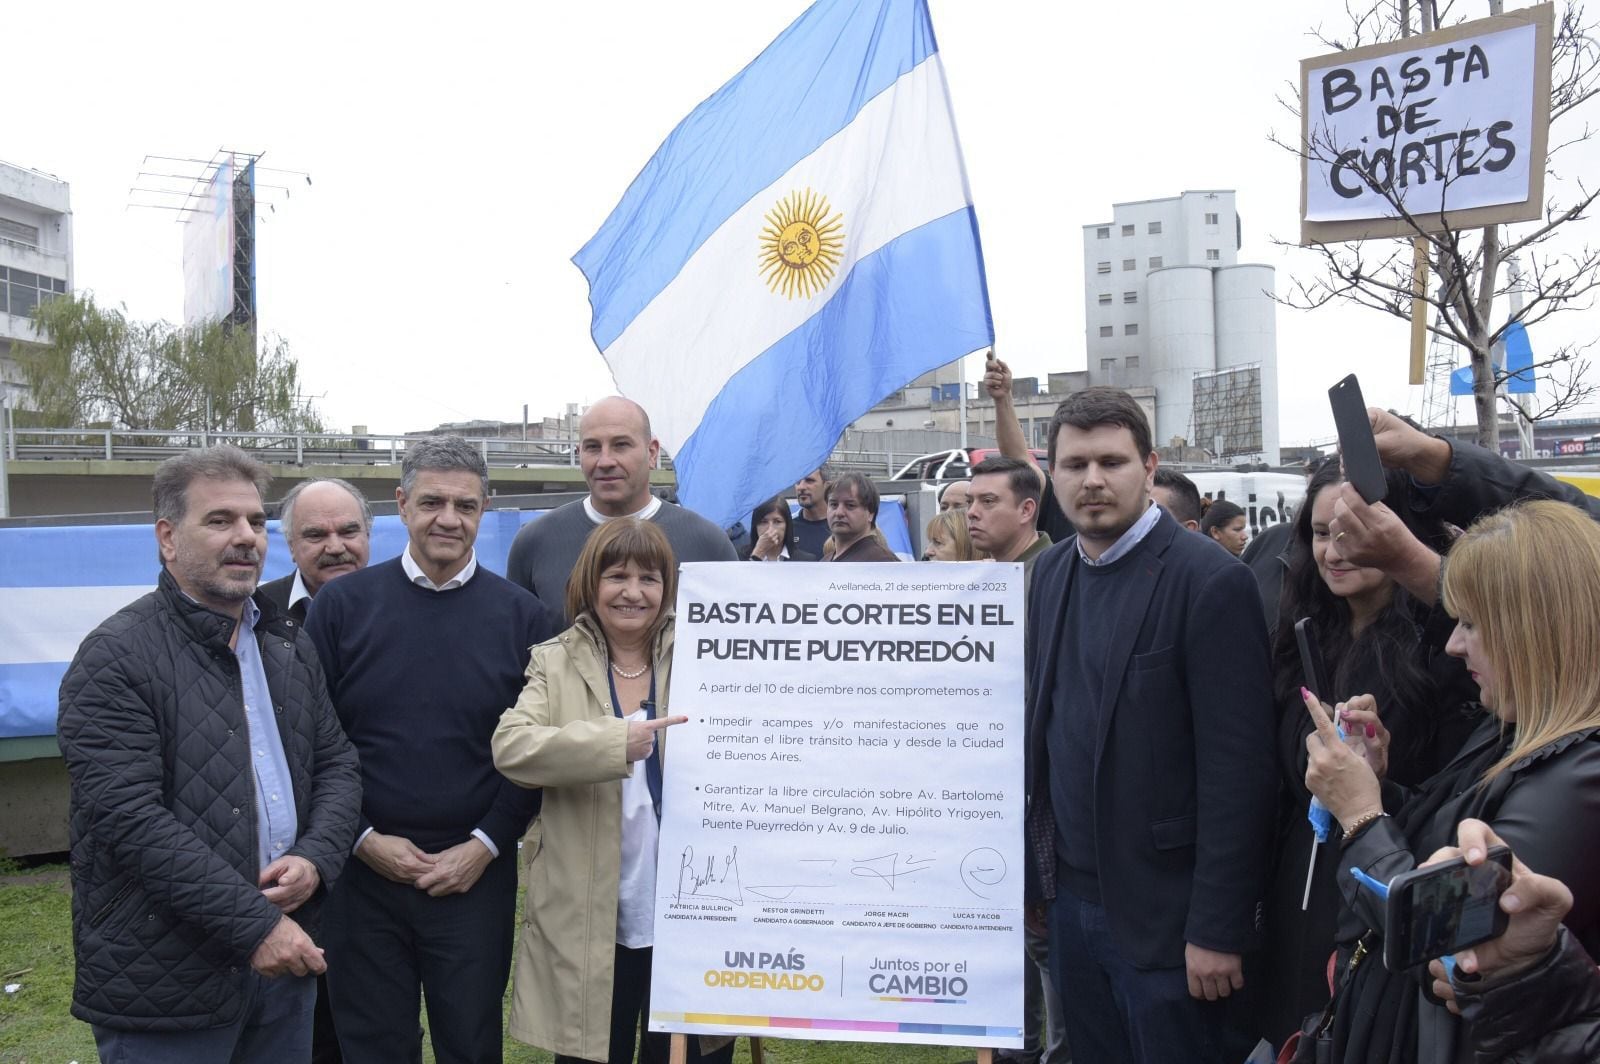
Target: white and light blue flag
{"x": 799, "y": 247}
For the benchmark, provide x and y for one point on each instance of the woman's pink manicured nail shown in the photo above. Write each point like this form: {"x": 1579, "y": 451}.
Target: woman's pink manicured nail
{"x": 1372, "y": 731}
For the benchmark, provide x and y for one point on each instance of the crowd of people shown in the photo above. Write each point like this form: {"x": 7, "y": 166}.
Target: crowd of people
{"x": 232, "y": 745}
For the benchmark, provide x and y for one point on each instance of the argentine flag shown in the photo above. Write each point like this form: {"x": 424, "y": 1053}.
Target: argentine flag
{"x": 800, "y": 246}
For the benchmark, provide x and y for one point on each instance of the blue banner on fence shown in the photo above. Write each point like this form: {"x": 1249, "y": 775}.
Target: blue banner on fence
{"x": 58, "y": 583}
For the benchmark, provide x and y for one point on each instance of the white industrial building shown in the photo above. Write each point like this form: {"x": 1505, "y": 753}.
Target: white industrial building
{"x": 35, "y": 260}
{"x": 1168, "y": 306}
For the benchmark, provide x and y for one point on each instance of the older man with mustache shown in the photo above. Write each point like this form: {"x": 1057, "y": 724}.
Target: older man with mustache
{"x": 328, "y": 527}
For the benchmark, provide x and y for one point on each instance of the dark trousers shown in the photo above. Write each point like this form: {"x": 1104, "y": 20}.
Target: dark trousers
{"x": 274, "y": 1026}
{"x": 630, "y": 1004}
{"x": 1118, "y": 1013}
{"x": 389, "y": 943}
{"x": 324, "y": 1042}
{"x": 1044, "y": 1031}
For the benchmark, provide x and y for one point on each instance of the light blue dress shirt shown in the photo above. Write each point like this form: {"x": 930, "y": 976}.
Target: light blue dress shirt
{"x": 276, "y": 818}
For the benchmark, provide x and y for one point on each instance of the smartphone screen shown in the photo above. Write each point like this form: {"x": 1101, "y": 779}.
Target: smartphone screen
{"x": 1444, "y": 909}
{"x": 1316, "y": 676}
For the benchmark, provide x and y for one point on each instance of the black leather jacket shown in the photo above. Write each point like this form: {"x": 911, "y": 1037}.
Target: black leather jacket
{"x": 1480, "y": 481}
{"x": 166, "y": 910}
{"x": 1549, "y": 1013}
{"x": 1546, "y": 806}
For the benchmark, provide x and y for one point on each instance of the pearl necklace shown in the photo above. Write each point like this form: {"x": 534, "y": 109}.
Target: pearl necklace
{"x": 634, "y": 675}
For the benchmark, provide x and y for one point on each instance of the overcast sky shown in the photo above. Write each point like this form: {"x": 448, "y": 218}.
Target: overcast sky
{"x": 461, "y": 155}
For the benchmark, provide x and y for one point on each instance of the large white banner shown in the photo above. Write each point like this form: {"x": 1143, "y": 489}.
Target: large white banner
{"x": 841, "y": 849}
{"x": 208, "y": 250}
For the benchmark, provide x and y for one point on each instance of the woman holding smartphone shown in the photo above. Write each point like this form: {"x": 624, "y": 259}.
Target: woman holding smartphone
{"x": 1418, "y": 705}
{"x": 589, "y": 728}
{"x": 1524, "y": 587}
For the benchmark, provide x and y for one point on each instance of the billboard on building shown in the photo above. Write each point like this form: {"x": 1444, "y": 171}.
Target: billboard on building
{"x": 1227, "y": 411}
{"x": 208, "y": 245}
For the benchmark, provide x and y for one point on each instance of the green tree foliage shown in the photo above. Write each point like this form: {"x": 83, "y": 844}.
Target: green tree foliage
{"x": 100, "y": 367}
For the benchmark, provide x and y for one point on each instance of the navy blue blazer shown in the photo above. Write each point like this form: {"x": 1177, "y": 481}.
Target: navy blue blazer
{"x": 1185, "y": 779}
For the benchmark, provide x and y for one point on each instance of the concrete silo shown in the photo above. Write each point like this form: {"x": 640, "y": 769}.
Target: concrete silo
{"x": 1183, "y": 342}
{"x": 1247, "y": 336}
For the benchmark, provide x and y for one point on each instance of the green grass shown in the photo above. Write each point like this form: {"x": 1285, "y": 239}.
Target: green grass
{"x": 37, "y": 1028}
{"x": 36, "y": 951}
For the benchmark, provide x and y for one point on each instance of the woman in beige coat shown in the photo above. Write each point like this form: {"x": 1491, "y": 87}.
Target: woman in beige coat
{"x": 589, "y": 729}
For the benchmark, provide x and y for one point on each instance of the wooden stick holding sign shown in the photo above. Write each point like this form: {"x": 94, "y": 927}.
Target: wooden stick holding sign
{"x": 1419, "y": 309}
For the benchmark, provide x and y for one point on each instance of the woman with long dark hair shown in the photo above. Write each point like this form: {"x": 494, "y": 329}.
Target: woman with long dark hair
{"x": 1372, "y": 636}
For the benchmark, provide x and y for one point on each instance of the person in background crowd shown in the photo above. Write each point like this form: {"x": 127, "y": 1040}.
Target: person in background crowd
{"x": 213, "y": 799}
{"x": 422, "y": 655}
{"x": 1531, "y": 993}
{"x": 1224, "y": 522}
{"x": 955, "y": 496}
{"x": 1268, "y": 554}
{"x": 948, "y": 539}
{"x": 1150, "y": 764}
{"x": 811, "y": 523}
{"x": 327, "y": 525}
{"x": 1005, "y": 501}
{"x": 616, "y": 452}
{"x": 1177, "y": 494}
{"x": 853, "y": 518}
{"x": 583, "y": 966}
{"x": 774, "y": 534}
{"x": 1524, "y": 586}
{"x": 1374, "y": 639}
{"x": 1052, "y": 524}
{"x": 1013, "y": 443}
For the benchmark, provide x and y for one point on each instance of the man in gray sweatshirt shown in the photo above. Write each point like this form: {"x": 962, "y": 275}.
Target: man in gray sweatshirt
{"x": 616, "y": 452}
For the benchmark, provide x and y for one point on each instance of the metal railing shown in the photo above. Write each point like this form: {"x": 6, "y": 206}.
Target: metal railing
{"x": 303, "y": 449}
{"x": 278, "y": 448}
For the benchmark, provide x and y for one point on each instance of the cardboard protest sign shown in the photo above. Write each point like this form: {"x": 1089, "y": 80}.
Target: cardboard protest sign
{"x": 1450, "y": 128}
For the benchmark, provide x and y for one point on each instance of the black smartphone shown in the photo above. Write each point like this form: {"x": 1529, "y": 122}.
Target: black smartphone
{"x": 1358, "y": 451}
{"x": 1444, "y": 909}
{"x": 1311, "y": 661}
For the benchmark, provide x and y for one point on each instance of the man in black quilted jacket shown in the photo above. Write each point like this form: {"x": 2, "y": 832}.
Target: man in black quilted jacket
{"x": 214, "y": 795}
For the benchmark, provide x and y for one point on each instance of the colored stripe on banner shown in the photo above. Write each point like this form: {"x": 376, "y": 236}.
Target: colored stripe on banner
{"x": 716, "y": 1019}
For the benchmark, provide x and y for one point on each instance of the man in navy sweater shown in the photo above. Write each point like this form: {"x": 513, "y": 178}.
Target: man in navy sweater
{"x": 1150, "y": 761}
{"x": 422, "y": 655}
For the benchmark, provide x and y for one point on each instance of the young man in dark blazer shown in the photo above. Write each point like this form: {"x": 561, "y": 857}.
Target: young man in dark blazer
{"x": 1150, "y": 766}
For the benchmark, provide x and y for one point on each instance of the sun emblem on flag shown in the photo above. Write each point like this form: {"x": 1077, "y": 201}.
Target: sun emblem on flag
{"x": 800, "y": 247}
